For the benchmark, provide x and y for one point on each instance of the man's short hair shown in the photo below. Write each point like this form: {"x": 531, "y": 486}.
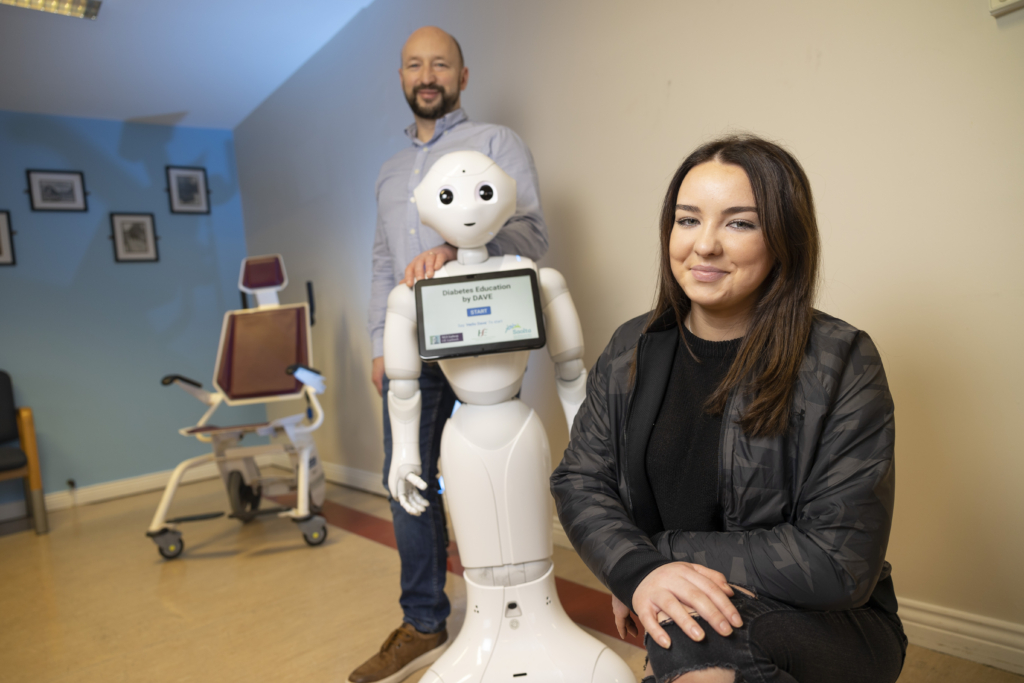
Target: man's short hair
{"x": 462, "y": 61}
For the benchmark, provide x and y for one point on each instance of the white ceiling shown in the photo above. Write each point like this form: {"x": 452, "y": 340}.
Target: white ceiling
{"x": 205, "y": 63}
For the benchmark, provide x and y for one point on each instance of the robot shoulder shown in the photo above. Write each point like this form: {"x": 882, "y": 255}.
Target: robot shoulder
{"x": 401, "y": 300}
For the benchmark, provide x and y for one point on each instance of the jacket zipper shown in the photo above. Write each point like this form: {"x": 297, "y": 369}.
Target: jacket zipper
{"x": 721, "y": 456}
{"x": 629, "y": 417}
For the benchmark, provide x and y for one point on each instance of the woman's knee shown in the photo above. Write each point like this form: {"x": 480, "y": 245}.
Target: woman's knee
{"x": 714, "y": 675}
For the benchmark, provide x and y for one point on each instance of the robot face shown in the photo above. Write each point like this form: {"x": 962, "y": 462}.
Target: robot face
{"x": 466, "y": 198}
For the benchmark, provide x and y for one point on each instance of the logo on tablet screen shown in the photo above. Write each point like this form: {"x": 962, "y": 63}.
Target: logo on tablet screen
{"x": 445, "y": 338}
{"x": 517, "y": 329}
{"x": 483, "y": 310}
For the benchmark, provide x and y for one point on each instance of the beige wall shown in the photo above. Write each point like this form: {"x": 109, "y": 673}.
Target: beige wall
{"x": 906, "y": 115}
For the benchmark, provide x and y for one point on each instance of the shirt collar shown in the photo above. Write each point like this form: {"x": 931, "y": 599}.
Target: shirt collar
{"x": 446, "y": 122}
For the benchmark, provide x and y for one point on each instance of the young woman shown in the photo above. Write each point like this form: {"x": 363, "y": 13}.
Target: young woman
{"x": 730, "y": 475}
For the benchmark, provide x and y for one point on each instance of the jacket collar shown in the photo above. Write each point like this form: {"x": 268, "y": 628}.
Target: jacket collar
{"x": 655, "y": 354}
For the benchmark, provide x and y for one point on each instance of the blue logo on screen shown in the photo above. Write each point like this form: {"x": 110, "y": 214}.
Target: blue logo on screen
{"x": 483, "y": 310}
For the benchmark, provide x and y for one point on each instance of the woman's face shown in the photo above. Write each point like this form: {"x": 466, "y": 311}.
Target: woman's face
{"x": 717, "y": 248}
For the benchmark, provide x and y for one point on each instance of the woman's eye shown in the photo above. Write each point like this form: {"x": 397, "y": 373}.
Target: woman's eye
{"x": 446, "y": 196}
{"x": 743, "y": 225}
{"x": 686, "y": 222}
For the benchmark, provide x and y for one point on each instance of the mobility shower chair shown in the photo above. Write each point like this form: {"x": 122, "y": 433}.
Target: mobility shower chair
{"x": 265, "y": 355}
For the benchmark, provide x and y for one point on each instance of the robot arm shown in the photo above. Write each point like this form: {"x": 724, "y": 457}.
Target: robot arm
{"x": 402, "y": 366}
{"x": 565, "y": 342}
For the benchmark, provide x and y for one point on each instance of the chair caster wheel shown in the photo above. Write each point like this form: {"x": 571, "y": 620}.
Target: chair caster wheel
{"x": 315, "y": 537}
{"x": 314, "y": 529}
{"x": 169, "y": 544}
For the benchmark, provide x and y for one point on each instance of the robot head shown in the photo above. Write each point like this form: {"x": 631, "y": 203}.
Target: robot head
{"x": 466, "y": 198}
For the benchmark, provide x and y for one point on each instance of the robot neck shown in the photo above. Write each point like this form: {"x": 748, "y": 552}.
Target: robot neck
{"x": 469, "y": 256}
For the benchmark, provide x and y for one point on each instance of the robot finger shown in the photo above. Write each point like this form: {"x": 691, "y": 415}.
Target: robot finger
{"x": 416, "y": 499}
{"x": 408, "y": 506}
{"x": 416, "y": 481}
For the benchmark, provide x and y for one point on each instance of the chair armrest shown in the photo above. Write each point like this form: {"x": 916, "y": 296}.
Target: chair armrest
{"x": 191, "y": 386}
{"x": 27, "y": 437}
{"x": 308, "y": 376}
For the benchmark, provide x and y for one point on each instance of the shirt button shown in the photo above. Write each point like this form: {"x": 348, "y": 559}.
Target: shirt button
{"x": 412, "y": 231}
{"x": 412, "y": 199}
{"x": 415, "y": 170}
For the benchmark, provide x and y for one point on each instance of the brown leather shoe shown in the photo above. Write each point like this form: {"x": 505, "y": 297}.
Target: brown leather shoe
{"x": 405, "y": 651}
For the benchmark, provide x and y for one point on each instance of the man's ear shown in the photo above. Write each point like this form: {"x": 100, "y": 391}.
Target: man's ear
{"x": 464, "y": 78}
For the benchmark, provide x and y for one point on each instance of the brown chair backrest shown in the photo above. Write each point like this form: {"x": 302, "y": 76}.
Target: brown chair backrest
{"x": 260, "y": 272}
{"x": 255, "y": 349}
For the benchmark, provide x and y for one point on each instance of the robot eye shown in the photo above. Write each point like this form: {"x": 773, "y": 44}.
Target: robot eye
{"x": 447, "y": 197}
{"x": 486, "y": 192}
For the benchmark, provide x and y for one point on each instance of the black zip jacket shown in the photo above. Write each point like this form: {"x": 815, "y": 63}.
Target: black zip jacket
{"x": 806, "y": 515}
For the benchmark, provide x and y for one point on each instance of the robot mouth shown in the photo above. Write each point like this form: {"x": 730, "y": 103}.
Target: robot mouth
{"x": 469, "y": 225}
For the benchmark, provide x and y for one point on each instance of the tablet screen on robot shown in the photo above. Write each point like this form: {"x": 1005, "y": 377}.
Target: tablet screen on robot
{"x": 473, "y": 315}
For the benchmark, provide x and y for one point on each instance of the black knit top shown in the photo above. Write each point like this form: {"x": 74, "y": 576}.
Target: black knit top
{"x": 682, "y": 454}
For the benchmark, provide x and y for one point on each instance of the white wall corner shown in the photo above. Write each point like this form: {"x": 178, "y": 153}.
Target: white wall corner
{"x": 371, "y": 482}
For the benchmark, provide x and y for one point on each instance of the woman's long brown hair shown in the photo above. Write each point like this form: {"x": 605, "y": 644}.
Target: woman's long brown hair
{"x": 772, "y": 350}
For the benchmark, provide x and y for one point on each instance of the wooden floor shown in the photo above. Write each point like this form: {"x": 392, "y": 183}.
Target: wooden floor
{"x": 93, "y": 601}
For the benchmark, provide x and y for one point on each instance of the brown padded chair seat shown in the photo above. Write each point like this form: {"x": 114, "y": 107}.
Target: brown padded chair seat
{"x": 262, "y": 272}
{"x": 257, "y": 348}
{"x": 210, "y": 429}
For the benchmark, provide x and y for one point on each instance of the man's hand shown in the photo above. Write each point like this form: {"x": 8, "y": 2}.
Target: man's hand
{"x": 623, "y": 619}
{"x": 679, "y": 589}
{"x": 378, "y": 374}
{"x": 423, "y": 266}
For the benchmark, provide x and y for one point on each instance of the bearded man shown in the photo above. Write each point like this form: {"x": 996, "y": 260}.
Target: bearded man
{"x": 433, "y": 76}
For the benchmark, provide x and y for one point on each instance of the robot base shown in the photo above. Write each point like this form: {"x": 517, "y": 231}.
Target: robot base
{"x": 521, "y": 634}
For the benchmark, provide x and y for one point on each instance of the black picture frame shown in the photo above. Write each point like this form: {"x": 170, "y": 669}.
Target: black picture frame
{"x": 7, "y": 257}
{"x": 134, "y": 237}
{"x": 188, "y": 190}
{"x": 481, "y": 349}
{"x": 56, "y": 190}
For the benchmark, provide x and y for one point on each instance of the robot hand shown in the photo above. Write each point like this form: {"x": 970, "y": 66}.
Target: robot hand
{"x": 405, "y": 484}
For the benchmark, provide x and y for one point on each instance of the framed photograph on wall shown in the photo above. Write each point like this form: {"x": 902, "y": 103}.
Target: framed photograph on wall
{"x": 57, "y": 190}
{"x": 6, "y": 240}
{"x": 134, "y": 236}
{"x": 187, "y": 189}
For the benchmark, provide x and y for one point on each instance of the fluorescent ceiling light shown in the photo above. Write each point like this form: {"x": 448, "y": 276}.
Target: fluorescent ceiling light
{"x": 83, "y": 9}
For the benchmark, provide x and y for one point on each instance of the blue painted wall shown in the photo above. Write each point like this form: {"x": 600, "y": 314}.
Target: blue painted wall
{"x": 86, "y": 339}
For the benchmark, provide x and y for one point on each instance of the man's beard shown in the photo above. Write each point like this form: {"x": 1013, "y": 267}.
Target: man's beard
{"x": 445, "y": 104}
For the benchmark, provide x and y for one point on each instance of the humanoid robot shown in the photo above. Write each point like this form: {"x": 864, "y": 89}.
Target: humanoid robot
{"x": 494, "y": 450}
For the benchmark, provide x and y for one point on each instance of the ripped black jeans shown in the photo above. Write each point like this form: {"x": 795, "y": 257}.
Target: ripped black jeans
{"x": 782, "y": 644}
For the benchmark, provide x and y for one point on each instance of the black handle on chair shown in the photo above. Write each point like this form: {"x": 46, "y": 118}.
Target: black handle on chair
{"x": 312, "y": 302}
{"x": 169, "y": 379}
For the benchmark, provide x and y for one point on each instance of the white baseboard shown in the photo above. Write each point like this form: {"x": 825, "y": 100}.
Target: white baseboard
{"x": 371, "y": 482}
{"x": 60, "y": 500}
{"x": 962, "y": 634}
{"x": 558, "y": 535}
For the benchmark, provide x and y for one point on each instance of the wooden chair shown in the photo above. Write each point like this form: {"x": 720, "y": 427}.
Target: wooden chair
{"x": 23, "y": 462}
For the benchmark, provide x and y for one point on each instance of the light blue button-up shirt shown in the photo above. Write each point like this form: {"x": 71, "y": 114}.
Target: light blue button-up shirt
{"x": 400, "y": 236}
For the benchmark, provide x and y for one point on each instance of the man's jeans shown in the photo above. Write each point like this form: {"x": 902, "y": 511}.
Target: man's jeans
{"x": 422, "y": 541}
